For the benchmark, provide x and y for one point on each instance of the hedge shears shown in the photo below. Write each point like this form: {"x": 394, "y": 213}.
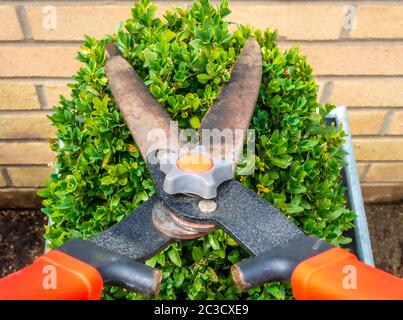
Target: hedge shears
{"x": 195, "y": 194}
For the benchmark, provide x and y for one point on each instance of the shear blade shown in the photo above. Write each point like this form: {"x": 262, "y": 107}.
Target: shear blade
{"x": 136, "y": 236}
{"x": 234, "y": 106}
{"x": 232, "y": 110}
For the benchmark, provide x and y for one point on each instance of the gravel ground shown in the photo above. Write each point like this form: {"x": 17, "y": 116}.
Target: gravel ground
{"x": 21, "y": 237}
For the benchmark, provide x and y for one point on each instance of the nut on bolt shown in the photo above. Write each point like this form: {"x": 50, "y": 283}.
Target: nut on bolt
{"x": 207, "y": 206}
{"x": 194, "y": 172}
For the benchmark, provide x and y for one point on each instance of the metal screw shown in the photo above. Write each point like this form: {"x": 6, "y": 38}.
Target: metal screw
{"x": 207, "y": 206}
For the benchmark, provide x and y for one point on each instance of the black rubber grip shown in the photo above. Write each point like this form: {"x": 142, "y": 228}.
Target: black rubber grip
{"x": 114, "y": 268}
{"x": 277, "y": 264}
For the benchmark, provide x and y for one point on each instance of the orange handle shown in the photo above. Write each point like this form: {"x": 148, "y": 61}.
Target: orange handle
{"x": 337, "y": 274}
{"x": 53, "y": 276}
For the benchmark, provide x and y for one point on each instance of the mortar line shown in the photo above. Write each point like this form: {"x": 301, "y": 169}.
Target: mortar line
{"x": 386, "y": 123}
{"x": 322, "y": 77}
{"x": 380, "y": 161}
{"x": 25, "y": 112}
{"x": 24, "y": 141}
{"x": 286, "y": 43}
{"x": 37, "y": 80}
{"x": 17, "y": 165}
{"x": 282, "y": 42}
{"x": 21, "y": 188}
{"x": 326, "y": 92}
{"x": 374, "y": 108}
{"x": 342, "y": 41}
{"x": 383, "y": 183}
{"x": 374, "y": 76}
{"x": 41, "y": 44}
{"x": 42, "y": 41}
{"x": 43, "y": 100}
{"x": 345, "y": 33}
{"x": 353, "y": 77}
{"x": 6, "y": 177}
{"x": 365, "y": 173}
{"x": 125, "y": 2}
{"x": 23, "y": 22}
{"x": 377, "y": 137}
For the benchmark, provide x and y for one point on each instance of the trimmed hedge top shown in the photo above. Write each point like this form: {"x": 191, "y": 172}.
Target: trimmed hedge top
{"x": 185, "y": 58}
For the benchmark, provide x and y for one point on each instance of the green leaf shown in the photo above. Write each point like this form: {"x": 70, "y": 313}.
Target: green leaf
{"x": 107, "y": 180}
{"x": 149, "y": 56}
{"x": 179, "y": 276}
{"x": 76, "y": 234}
{"x": 44, "y": 193}
{"x": 93, "y": 91}
{"x": 308, "y": 144}
{"x": 203, "y": 77}
{"x": 194, "y": 122}
{"x": 282, "y": 162}
{"x": 196, "y": 44}
{"x": 297, "y": 189}
{"x": 197, "y": 254}
{"x": 309, "y": 225}
{"x": 293, "y": 208}
{"x": 161, "y": 259}
{"x": 276, "y": 291}
{"x": 173, "y": 255}
{"x": 309, "y": 165}
{"x": 234, "y": 256}
{"x": 152, "y": 262}
{"x": 198, "y": 285}
{"x": 114, "y": 201}
{"x": 332, "y": 215}
{"x": 213, "y": 242}
{"x": 169, "y": 35}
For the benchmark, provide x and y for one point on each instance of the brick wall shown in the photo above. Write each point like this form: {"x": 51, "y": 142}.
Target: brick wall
{"x": 355, "y": 47}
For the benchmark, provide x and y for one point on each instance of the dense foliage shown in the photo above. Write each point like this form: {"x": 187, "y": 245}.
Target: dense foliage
{"x": 184, "y": 58}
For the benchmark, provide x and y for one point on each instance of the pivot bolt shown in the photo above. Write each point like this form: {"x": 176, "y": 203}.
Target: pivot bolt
{"x": 207, "y": 206}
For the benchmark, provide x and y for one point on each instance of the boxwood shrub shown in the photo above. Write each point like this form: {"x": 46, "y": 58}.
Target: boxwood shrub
{"x": 184, "y": 58}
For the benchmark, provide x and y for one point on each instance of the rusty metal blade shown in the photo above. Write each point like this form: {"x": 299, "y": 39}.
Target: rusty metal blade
{"x": 140, "y": 109}
{"x": 235, "y": 104}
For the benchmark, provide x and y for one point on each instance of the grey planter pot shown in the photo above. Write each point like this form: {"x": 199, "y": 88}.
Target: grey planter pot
{"x": 352, "y": 182}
